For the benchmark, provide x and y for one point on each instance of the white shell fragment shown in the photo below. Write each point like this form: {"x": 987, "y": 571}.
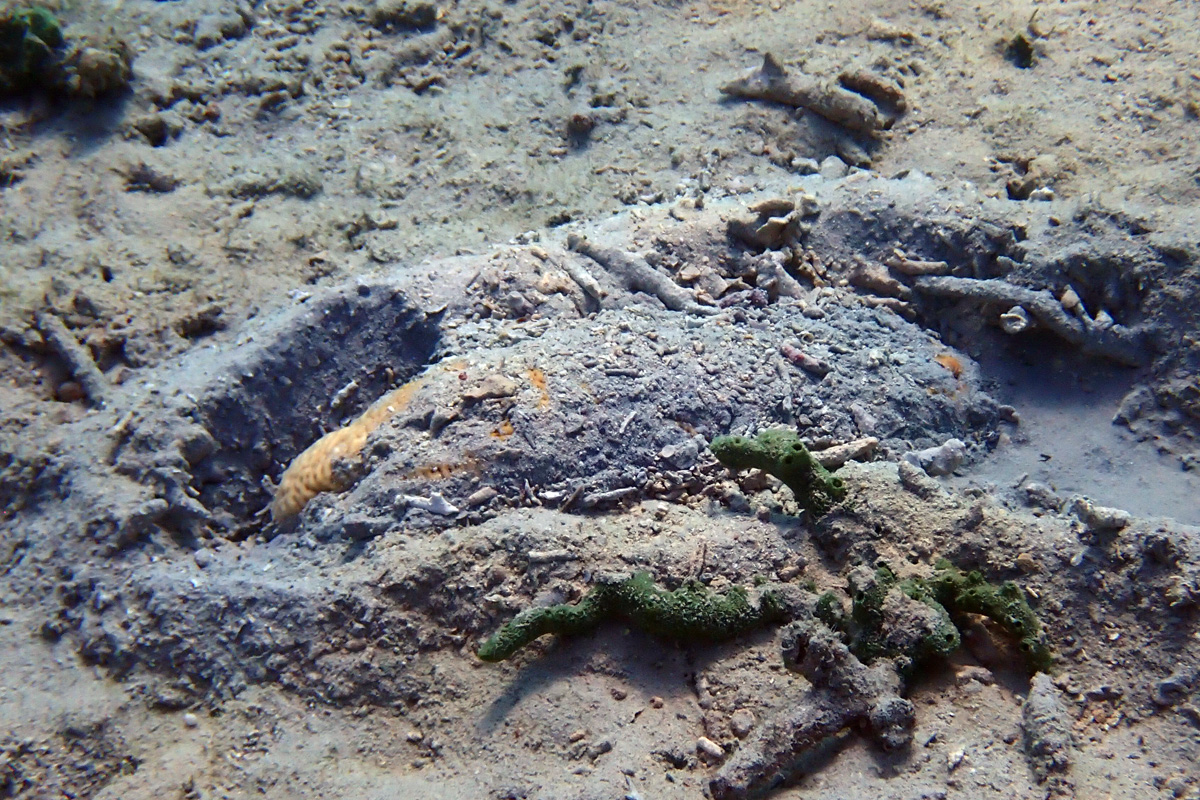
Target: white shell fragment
{"x": 708, "y": 747}
{"x": 1015, "y": 320}
{"x": 434, "y": 504}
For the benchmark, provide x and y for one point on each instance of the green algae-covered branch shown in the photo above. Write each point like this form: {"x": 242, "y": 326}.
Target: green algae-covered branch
{"x": 690, "y": 613}
{"x": 781, "y": 453}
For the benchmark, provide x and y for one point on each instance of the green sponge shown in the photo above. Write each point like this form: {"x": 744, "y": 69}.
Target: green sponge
{"x": 782, "y": 454}
{"x": 1005, "y": 604}
{"x": 28, "y": 37}
{"x": 875, "y": 635}
{"x": 689, "y": 613}
{"x": 872, "y": 631}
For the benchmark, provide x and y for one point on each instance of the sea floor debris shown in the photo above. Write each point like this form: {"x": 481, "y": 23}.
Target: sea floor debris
{"x": 859, "y": 665}
{"x": 861, "y": 101}
{"x": 561, "y": 433}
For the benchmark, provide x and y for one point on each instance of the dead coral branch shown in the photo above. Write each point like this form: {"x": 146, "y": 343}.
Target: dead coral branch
{"x": 1128, "y": 346}
{"x": 860, "y": 101}
{"x": 78, "y": 360}
{"x": 636, "y": 275}
{"x": 849, "y": 694}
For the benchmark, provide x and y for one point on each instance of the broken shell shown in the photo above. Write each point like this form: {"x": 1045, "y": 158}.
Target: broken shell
{"x": 1015, "y": 320}
{"x": 434, "y": 504}
{"x": 807, "y": 205}
{"x": 772, "y": 230}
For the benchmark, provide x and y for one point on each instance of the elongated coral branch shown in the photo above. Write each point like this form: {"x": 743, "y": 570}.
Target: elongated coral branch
{"x": 860, "y": 101}
{"x": 1126, "y": 345}
{"x": 691, "y": 612}
{"x": 637, "y": 276}
{"x": 76, "y": 356}
{"x": 782, "y": 454}
{"x": 847, "y": 694}
{"x": 312, "y": 472}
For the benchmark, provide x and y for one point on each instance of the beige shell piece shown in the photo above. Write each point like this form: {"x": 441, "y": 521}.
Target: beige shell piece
{"x": 312, "y": 471}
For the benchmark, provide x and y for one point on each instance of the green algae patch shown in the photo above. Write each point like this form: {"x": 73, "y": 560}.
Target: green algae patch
{"x": 968, "y": 592}
{"x": 884, "y": 627}
{"x": 782, "y": 454}
{"x": 890, "y": 618}
{"x": 689, "y": 613}
{"x": 29, "y": 38}
{"x": 912, "y": 621}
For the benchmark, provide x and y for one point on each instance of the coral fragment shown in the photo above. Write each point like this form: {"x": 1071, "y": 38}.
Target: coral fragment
{"x": 782, "y": 454}
{"x": 689, "y": 613}
{"x": 313, "y": 472}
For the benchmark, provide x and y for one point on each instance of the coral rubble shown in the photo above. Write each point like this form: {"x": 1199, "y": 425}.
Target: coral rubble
{"x": 860, "y": 101}
{"x": 1125, "y": 345}
{"x": 1046, "y": 728}
{"x": 638, "y": 276}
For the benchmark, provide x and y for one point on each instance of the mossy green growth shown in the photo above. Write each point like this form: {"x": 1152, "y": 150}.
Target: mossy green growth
{"x": 28, "y": 39}
{"x": 829, "y": 610}
{"x": 874, "y": 636}
{"x": 968, "y": 592}
{"x": 782, "y": 454}
{"x": 690, "y": 613}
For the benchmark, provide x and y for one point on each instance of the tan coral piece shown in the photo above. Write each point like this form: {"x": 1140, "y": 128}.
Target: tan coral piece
{"x": 312, "y": 471}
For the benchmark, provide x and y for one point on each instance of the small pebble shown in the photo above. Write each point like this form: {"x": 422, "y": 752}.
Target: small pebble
{"x": 190, "y": 720}
{"x": 741, "y": 723}
{"x": 69, "y": 392}
{"x": 833, "y": 168}
{"x": 1027, "y": 564}
{"x": 974, "y": 674}
{"x": 805, "y": 166}
{"x": 656, "y": 702}
{"x": 599, "y": 749}
{"x": 814, "y": 312}
{"x": 1009, "y": 414}
{"x": 481, "y": 497}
